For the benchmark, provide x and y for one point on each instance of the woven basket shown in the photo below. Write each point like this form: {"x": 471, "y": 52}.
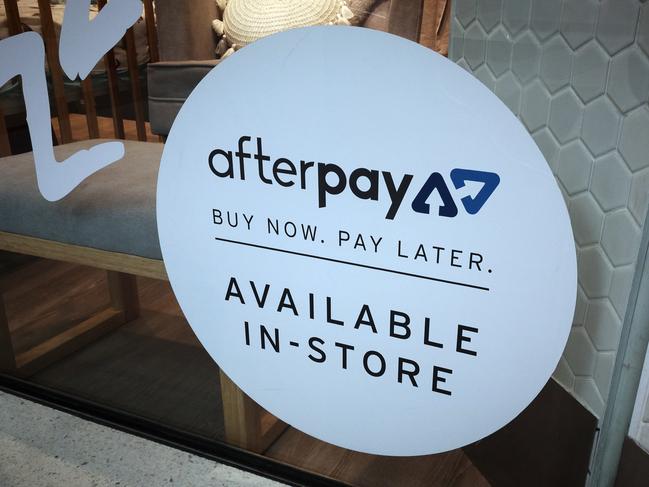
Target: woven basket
{"x": 245, "y": 21}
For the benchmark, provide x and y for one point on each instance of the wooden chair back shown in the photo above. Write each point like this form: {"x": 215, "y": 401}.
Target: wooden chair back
{"x": 57, "y": 77}
{"x": 423, "y": 21}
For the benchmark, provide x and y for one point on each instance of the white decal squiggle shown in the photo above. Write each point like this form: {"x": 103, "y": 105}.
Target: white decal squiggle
{"x": 81, "y": 46}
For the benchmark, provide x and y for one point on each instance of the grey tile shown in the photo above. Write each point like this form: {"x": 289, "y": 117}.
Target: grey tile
{"x": 604, "y": 372}
{"x": 634, "y": 143}
{"x": 484, "y": 74}
{"x": 621, "y": 288}
{"x": 578, "y": 20}
{"x": 587, "y": 219}
{"x": 580, "y": 352}
{"x": 499, "y": 51}
{"x": 600, "y": 126}
{"x": 580, "y": 308}
{"x": 628, "y": 83}
{"x": 574, "y": 165}
{"x": 474, "y": 45}
{"x": 603, "y": 325}
{"x": 563, "y": 375}
{"x": 456, "y": 41}
{"x": 508, "y": 90}
{"x": 639, "y": 197}
{"x": 526, "y": 57}
{"x": 595, "y": 272}
{"x": 586, "y": 389}
{"x": 546, "y": 15}
{"x": 536, "y": 106}
{"x": 489, "y": 13}
{"x": 464, "y": 65}
{"x": 565, "y": 116}
{"x": 590, "y": 67}
{"x": 556, "y": 63}
{"x": 516, "y": 15}
{"x": 548, "y": 145}
{"x": 643, "y": 29}
{"x": 621, "y": 238}
{"x": 465, "y": 11}
{"x": 616, "y": 25}
{"x": 611, "y": 181}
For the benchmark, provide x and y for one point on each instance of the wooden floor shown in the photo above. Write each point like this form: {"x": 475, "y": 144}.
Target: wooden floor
{"x": 154, "y": 367}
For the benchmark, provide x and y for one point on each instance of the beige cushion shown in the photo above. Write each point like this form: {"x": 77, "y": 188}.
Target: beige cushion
{"x": 245, "y": 21}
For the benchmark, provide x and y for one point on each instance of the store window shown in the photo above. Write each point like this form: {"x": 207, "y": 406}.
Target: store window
{"x": 89, "y": 320}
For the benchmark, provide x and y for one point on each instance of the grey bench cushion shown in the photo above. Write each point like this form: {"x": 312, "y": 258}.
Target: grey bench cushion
{"x": 114, "y": 209}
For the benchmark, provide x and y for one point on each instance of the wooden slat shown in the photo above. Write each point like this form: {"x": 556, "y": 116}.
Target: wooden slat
{"x": 5, "y": 146}
{"x": 14, "y": 27}
{"x": 123, "y": 294}
{"x": 7, "y": 359}
{"x": 13, "y": 17}
{"x": 405, "y": 18}
{"x": 113, "y": 90}
{"x": 247, "y": 425}
{"x": 151, "y": 32}
{"x": 91, "y": 109}
{"x": 113, "y": 87}
{"x": 271, "y": 429}
{"x": 102, "y": 259}
{"x": 67, "y": 342}
{"x": 56, "y": 73}
{"x": 136, "y": 93}
{"x": 442, "y": 26}
{"x": 242, "y": 419}
{"x": 428, "y": 34}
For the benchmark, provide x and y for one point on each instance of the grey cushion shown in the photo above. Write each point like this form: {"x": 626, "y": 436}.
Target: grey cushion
{"x": 169, "y": 84}
{"x": 114, "y": 209}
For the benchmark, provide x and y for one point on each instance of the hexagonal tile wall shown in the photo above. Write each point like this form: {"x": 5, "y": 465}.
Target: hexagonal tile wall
{"x": 629, "y": 79}
{"x": 556, "y": 63}
{"x": 578, "y": 20}
{"x": 535, "y": 109}
{"x": 576, "y": 72}
{"x": 589, "y": 71}
{"x": 600, "y": 126}
{"x": 587, "y": 219}
{"x": 634, "y": 143}
{"x": 565, "y": 116}
{"x": 574, "y": 166}
{"x": 619, "y": 238}
{"x": 499, "y": 51}
{"x": 526, "y": 57}
{"x": 639, "y": 197}
{"x": 611, "y": 181}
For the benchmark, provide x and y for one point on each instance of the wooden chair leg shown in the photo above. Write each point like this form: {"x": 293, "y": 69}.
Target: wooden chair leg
{"x": 7, "y": 357}
{"x": 247, "y": 425}
{"x": 124, "y": 307}
{"x": 123, "y": 294}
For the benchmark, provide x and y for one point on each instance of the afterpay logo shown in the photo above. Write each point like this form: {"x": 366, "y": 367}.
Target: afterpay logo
{"x": 364, "y": 183}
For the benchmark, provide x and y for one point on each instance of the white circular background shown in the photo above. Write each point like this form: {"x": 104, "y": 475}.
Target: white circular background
{"x": 361, "y": 98}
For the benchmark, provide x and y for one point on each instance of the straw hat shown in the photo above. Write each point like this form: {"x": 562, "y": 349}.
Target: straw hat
{"x": 245, "y": 21}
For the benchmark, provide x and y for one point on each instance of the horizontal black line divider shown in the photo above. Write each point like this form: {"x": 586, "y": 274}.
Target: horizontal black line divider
{"x": 356, "y": 264}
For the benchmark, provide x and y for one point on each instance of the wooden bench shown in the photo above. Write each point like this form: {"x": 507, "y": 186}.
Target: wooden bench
{"x": 108, "y": 222}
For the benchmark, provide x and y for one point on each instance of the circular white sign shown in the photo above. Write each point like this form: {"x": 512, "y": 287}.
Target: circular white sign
{"x": 366, "y": 240}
